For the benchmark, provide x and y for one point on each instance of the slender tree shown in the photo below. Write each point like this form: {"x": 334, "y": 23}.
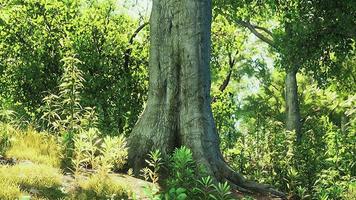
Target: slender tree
{"x": 178, "y": 111}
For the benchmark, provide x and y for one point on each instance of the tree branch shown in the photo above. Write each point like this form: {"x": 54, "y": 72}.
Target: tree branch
{"x": 263, "y": 29}
{"x": 128, "y": 51}
{"x": 227, "y": 79}
{"x": 253, "y": 29}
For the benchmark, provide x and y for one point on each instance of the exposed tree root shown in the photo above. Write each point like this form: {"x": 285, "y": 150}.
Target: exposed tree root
{"x": 245, "y": 185}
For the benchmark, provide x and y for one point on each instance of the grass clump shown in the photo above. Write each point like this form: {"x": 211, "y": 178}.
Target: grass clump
{"x": 19, "y": 179}
{"x": 9, "y": 190}
{"x": 37, "y": 147}
{"x": 101, "y": 187}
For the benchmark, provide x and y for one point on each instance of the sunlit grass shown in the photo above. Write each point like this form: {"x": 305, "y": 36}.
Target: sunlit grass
{"x": 37, "y": 147}
{"x": 8, "y": 190}
{"x": 101, "y": 186}
{"x": 20, "y": 179}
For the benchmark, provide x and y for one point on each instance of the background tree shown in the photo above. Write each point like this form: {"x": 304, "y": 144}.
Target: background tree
{"x": 304, "y": 30}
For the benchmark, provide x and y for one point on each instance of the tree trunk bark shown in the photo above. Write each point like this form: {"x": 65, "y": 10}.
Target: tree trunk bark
{"x": 292, "y": 104}
{"x": 178, "y": 111}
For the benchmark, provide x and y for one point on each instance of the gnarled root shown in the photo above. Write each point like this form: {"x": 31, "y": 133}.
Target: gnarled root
{"x": 245, "y": 185}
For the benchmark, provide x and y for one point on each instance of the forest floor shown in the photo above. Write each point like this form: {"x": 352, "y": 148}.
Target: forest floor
{"x": 31, "y": 170}
{"x": 137, "y": 186}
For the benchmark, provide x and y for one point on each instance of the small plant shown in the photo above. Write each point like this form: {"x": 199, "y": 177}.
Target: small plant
{"x": 63, "y": 112}
{"x": 182, "y": 169}
{"x": 204, "y": 188}
{"x": 185, "y": 180}
{"x": 152, "y": 192}
{"x": 222, "y": 192}
{"x": 93, "y": 152}
{"x": 154, "y": 165}
{"x": 176, "y": 194}
{"x": 85, "y": 149}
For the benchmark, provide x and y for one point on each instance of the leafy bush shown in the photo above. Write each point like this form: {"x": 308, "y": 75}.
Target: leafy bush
{"x": 182, "y": 169}
{"x": 351, "y": 191}
{"x": 90, "y": 151}
{"x": 184, "y": 181}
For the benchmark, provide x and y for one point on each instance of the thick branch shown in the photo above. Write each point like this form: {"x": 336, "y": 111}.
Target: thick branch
{"x": 128, "y": 51}
{"x": 263, "y": 29}
{"x": 227, "y": 79}
{"x": 253, "y": 29}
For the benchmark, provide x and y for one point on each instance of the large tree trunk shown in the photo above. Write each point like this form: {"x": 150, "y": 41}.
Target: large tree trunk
{"x": 178, "y": 111}
{"x": 292, "y": 104}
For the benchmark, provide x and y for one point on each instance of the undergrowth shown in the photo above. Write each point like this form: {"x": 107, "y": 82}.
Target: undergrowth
{"x": 37, "y": 147}
{"x": 29, "y": 178}
{"x": 101, "y": 187}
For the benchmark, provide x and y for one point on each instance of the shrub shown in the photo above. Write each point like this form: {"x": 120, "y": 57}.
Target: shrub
{"x": 351, "y": 191}
{"x": 103, "y": 155}
{"x": 185, "y": 179}
{"x": 182, "y": 169}
{"x": 154, "y": 165}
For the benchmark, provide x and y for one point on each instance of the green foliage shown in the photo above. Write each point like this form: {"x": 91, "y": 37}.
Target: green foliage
{"x": 321, "y": 165}
{"x": 64, "y": 113}
{"x": 154, "y": 165}
{"x": 222, "y": 192}
{"x": 5, "y": 137}
{"x": 90, "y": 151}
{"x": 36, "y": 36}
{"x": 182, "y": 169}
{"x": 176, "y": 194}
{"x": 206, "y": 189}
{"x": 183, "y": 181}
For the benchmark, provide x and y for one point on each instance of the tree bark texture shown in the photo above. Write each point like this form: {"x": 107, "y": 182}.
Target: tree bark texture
{"x": 292, "y": 104}
{"x": 178, "y": 111}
